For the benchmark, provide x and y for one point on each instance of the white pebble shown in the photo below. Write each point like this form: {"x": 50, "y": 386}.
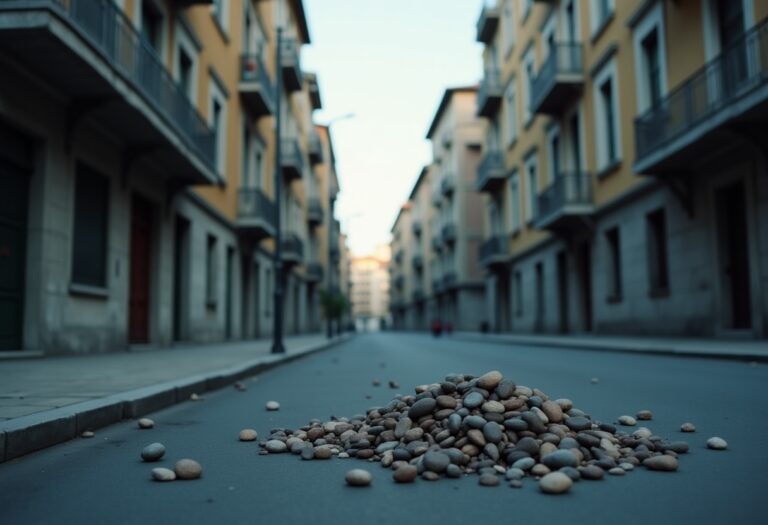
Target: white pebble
{"x": 717, "y": 443}
{"x": 273, "y": 405}
{"x": 145, "y": 423}
{"x": 163, "y": 474}
{"x": 358, "y": 478}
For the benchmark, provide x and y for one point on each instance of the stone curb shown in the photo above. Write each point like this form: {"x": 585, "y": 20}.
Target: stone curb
{"x": 23, "y": 435}
{"x": 601, "y": 346}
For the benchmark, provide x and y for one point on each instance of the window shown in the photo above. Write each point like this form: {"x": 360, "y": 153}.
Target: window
{"x": 185, "y": 62}
{"x": 607, "y": 118}
{"x": 650, "y": 64}
{"x": 218, "y": 122}
{"x": 539, "y": 321}
{"x": 613, "y": 245}
{"x": 518, "y": 291}
{"x": 528, "y": 77}
{"x": 185, "y": 72}
{"x": 531, "y": 169}
{"x": 89, "y": 247}
{"x": 510, "y": 111}
{"x": 152, "y": 25}
{"x": 220, "y": 11}
{"x": 246, "y": 156}
{"x": 514, "y": 200}
{"x": 600, "y": 12}
{"x": 527, "y": 5}
{"x": 509, "y": 25}
{"x": 658, "y": 270}
{"x": 210, "y": 271}
{"x": 553, "y": 150}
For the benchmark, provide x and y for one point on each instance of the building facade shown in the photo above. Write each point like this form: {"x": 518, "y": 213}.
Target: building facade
{"x": 370, "y": 289}
{"x": 624, "y": 166}
{"x": 137, "y": 161}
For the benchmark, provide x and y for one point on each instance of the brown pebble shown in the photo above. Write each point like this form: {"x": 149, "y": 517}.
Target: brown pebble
{"x": 188, "y": 469}
{"x": 430, "y": 476}
{"x": 488, "y": 480}
{"x": 688, "y": 427}
{"x": 644, "y": 415}
{"x": 405, "y": 474}
{"x": 663, "y": 463}
{"x": 323, "y": 453}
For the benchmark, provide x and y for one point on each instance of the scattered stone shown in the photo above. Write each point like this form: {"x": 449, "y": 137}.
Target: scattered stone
{"x": 555, "y": 483}
{"x": 240, "y": 387}
{"x": 153, "y": 452}
{"x": 436, "y": 461}
{"x": 540, "y": 470}
{"x": 146, "y": 423}
{"x": 592, "y": 472}
{"x": 559, "y": 459}
{"x": 428, "y": 475}
{"x": 275, "y": 446}
{"x": 343, "y": 455}
{"x": 188, "y": 469}
{"x": 163, "y": 474}
{"x": 490, "y": 380}
{"x": 323, "y": 453}
{"x": 358, "y": 478}
{"x": 405, "y": 474}
{"x": 376, "y": 382}
{"x": 87, "y": 434}
{"x": 489, "y": 480}
{"x": 627, "y": 466}
{"x": 616, "y": 471}
{"x": 307, "y": 453}
{"x": 687, "y": 427}
{"x": 594, "y": 380}
{"x": 717, "y": 443}
{"x": 394, "y": 384}
{"x": 644, "y": 415}
{"x": 627, "y": 421}
{"x": 516, "y": 484}
{"x": 664, "y": 463}
{"x": 272, "y": 405}
{"x": 194, "y": 397}
{"x": 248, "y": 434}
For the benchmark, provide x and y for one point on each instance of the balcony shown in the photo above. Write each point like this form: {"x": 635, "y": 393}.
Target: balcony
{"x": 489, "y": 94}
{"x": 399, "y": 282}
{"x": 314, "y": 272}
{"x": 416, "y": 227}
{"x": 418, "y": 295}
{"x": 417, "y": 261}
{"x": 292, "y": 249}
{"x": 494, "y": 251}
{"x": 293, "y": 78}
{"x": 437, "y": 197}
{"x": 490, "y": 173}
{"x": 567, "y": 204}
{"x": 450, "y": 281}
{"x": 90, "y": 53}
{"x": 256, "y": 89}
{"x": 315, "y": 148}
{"x": 292, "y": 159}
{"x": 487, "y": 24}
{"x": 560, "y": 79}
{"x": 449, "y": 233}
{"x": 437, "y": 285}
{"x": 700, "y": 115}
{"x": 447, "y": 185}
{"x": 255, "y": 214}
{"x": 437, "y": 242}
{"x": 399, "y": 256}
{"x": 315, "y": 212}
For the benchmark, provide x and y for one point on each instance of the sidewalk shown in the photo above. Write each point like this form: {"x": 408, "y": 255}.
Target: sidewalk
{"x": 44, "y": 401}
{"x": 734, "y": 349}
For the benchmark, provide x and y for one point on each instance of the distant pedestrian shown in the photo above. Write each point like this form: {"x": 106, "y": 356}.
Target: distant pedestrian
{"x": 437, "y": 327}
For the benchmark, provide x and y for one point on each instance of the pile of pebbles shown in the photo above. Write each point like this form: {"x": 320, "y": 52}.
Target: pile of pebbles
{"x": 486, "y": 425}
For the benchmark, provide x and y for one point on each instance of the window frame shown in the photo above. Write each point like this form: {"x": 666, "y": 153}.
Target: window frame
{"x": 532, "y": 187}
{"x": 612, "y": 237}
{"x": 185, "y": 43}
{"x": 607, "y": 73}
{"x": 211, "y": 271}
{"x": 216, "y": 95}
{"x": 657, "y": 250}
{"x": 528, "y": 70}
{"x": 652, "y": 21}
{"x": 509, "y": 28}
{"x": 89, "y": 177}
{"x": 512, "y": 124}
{"x": 596, "y": 22}
{"x": 515, "y": 215}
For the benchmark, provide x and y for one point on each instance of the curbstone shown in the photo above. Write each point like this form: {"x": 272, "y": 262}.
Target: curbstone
{"x": 100, "y": 416}
{"x": 40, "y": 435}
{"x": 146, "y": 400}
{"x": 196, "y": 385}
{"x": 2, "y": 447}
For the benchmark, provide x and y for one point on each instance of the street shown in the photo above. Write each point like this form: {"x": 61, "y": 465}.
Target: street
{"x": 103, "y": 480}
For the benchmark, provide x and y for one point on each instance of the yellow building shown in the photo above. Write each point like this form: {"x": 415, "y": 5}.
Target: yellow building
{"x": 137, "y": 141}
{"x": 624, "y": 166}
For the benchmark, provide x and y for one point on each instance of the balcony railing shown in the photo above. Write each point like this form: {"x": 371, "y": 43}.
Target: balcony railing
{"x": 487, "y": 24}
{"x": 437, "y": 197}
{"x": 417, "y": 262}
{"x": 450, "y": 280}
{"x": 292, "y": 248}
{"x": 113, "y": 36}
{"x": 437, "y": 285}
{"x": 494, "y": 251}
{"x": 315, "y": 148}
{"x": 560, "y": 78}
{"x": 489, "y": 94}
{"x": 292, "y": 159}
{"x": 315, "y": 272}
{"x": 416, "y": 227}
{"x": 256, "y": 87}
{"x": 566, "y": 202}
{"x": 315, "y": 212}
{"x": 418, "y": 295}
{"x": 291, "y": 63}
{"x": 731, "y": 86}
{"x": 437, "y": 242}
{"x": 449, "y": 233}
{"x": 399, "y": 281}
{"x": 399, "y": 256}
{"x": 490, "y": 173}
{"x": 447, "y": 185}
{"x": 255, "y": 213}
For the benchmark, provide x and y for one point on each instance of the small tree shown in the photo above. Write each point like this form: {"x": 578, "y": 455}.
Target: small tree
{"x": 333, "y": 304}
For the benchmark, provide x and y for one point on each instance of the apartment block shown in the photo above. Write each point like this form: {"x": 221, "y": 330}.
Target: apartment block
{"x": 436, "y": 236}
{"x": 625, "y": 166}
{"x": 137, "y": 169}
{"x": 370, "y": 289}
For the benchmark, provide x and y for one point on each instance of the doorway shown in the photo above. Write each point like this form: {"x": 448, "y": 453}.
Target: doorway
{"x": 141, "y": 260}
{"x": 584, "y": 264}
{"x": 15, "y": 170}
{"x": 733, "y": 251}
{"x": 180, "y": 276}
{"x": 539, "y": 312}
{"x": 562, "y": 291}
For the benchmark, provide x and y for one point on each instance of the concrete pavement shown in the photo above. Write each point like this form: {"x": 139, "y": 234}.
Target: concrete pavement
{"x": 50, "y": 400}
{"x": 733, "y": 349}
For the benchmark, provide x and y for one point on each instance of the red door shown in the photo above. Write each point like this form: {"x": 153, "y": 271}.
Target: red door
{"x": 141, "y": 238}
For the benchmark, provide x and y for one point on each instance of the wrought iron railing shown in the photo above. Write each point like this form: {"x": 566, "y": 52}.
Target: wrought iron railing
{"x": 567, "y": 189}
{"x": 490, "y": 86}
{"x": 563, "y": 58}
{"x": 111, "y": 33}
{"x": 494, "y": 246}
{"x": 737, "y": 71}
{"x": 491, "y": 163}
{"x": 292, "y": 246}
{"x": 252, "y": 203}
{"x": 290, "y": 151}
{"x": 252, "y": 70}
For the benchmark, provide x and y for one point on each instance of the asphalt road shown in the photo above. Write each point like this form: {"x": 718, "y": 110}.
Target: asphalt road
{"x": 102, "y": 480}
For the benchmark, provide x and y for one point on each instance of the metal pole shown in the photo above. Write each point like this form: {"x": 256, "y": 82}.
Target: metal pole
{"x": 277, "y": 333}
{"x": 331, "y": 262}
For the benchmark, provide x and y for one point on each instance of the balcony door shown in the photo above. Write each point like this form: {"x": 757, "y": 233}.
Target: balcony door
{"x": 140, "y": 271}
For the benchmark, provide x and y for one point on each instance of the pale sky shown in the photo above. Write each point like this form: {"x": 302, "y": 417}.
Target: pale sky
{"x": 389, "y": 63}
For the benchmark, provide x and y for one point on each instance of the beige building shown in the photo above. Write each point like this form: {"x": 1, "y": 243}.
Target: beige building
{"x": 137, "y": 162}
{"x": 624, "y": 173}
{"x": 369, "y": 279}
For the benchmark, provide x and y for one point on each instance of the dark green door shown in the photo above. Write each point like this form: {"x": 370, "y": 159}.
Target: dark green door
{"x": 14, "y": 182}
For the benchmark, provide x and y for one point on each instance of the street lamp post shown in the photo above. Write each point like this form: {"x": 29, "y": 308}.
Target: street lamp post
{"x": 277, "y": 333}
